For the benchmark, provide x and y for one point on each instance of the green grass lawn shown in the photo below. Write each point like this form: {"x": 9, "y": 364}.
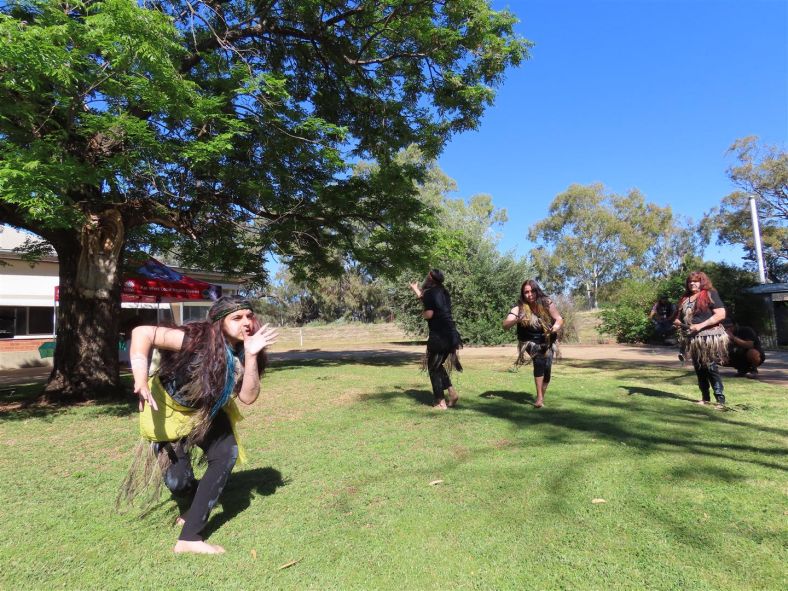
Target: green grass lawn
{"x": 342, "y": 457}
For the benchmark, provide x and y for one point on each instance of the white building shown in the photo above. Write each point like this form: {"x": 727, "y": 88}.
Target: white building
{"x": 27, "y": 303}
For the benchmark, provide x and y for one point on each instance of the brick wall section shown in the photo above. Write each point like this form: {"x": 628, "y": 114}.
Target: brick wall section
{"x": 22, "y": 344}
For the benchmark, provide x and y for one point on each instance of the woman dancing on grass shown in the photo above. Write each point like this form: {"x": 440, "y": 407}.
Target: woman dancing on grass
{"x": 701, "y": 312}
{"x": 538, "y": 324}
{"x": 443, "y": 341}
{"x": 190, "y": 402}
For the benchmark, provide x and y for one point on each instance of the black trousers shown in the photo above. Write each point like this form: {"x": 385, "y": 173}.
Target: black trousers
{"x": 709, "y": 377}
{"x": 221, "y": 452}
{"x": 439, "y": 377}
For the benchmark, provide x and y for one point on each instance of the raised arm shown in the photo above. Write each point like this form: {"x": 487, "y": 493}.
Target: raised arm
{"x": 143, "y": 338}
{"x": 250, "y": 386}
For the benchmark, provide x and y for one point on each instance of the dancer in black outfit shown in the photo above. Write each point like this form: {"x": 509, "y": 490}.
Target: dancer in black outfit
{"x": 443, "y": 341}
{"x": 538, "y": 324}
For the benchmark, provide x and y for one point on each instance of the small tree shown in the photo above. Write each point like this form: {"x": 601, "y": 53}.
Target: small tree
{"x": 762, "y": 172}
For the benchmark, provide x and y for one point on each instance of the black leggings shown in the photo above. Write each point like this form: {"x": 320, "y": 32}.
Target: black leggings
{"x": 439, "y": 377}
{"x": 709, "y": 376}
{"x": 221, "y": 451}
{"x": 543, "y": 367}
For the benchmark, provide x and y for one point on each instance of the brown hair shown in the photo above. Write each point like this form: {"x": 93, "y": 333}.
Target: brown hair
{"x": 541, "y": 297}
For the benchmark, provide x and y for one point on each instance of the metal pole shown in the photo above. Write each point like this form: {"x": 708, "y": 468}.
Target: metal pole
{"x": 756, "y": 230}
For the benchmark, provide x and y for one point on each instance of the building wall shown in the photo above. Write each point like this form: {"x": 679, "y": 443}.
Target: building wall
{"x": 24, "y": 284}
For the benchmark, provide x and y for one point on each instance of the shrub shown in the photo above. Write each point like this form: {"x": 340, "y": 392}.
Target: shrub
{"x": 627, "y": 324}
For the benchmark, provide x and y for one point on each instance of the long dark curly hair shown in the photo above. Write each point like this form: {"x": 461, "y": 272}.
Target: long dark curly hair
{"x": 200, "y": 366}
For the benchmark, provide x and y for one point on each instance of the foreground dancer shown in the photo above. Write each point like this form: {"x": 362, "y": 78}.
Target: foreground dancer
{"x": 443, "y": 341}
{"x": 700, "y": 313}
{"x": 538, "y": 324}
{"x": 190, "y": 401}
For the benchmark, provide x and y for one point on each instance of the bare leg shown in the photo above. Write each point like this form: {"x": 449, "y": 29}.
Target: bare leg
{"x": 540, "y": 390}
{"x": 453, "y": 397}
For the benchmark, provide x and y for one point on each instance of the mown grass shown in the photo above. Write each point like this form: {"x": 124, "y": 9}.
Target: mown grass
{"x": 343, "y": 454}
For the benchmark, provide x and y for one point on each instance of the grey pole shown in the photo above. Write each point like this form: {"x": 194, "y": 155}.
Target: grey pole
{"x": 756, "y": 230}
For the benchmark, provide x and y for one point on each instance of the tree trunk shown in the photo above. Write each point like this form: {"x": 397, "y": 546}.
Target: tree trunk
{"x": 86, "y": 350}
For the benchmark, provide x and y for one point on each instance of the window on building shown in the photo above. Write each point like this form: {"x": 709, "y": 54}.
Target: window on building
{"x": 16, "y": 321}
{"x": 194, "y": 313}
{"x": 7, "y": 321}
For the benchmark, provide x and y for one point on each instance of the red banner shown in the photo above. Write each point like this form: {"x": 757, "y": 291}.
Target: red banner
{"x": 153, "y": 282}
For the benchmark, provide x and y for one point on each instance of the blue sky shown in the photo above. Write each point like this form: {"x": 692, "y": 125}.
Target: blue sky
{"x": 645, "y": 94}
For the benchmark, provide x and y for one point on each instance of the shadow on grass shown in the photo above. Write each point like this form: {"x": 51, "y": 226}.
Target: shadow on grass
{"x": 423, "y": 397}
{"x": 641, "y": 391}
{"x": 515, "y": 397}
{"x": 374, "y": 357}
{"x": 237, "y": 495}
{"x": 596, "y": 419}
{"x": 20, "y": 404}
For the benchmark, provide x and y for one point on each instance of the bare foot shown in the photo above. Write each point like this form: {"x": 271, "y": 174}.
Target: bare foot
{"x": 719, "y": 406}
{"x": 453, "y": 398}
{"x": 539, "y": 403}
{"x": 440, "y": 405}
{"x": 199, "y": 547}
{"x": 180, "y": 521}
{"x": 701, "y": 402}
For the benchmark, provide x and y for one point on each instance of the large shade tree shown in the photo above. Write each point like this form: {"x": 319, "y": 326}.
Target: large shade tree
{"x": 225, "y": 130}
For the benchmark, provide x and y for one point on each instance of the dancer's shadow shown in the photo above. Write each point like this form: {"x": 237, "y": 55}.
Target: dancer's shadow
{"x": 238, "y": 493}
{"x": 421, "y": 396}
{"x": 516, "y": 397}
{"x": 640, "y": 390}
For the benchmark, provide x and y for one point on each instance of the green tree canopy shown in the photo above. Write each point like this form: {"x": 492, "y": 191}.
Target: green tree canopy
{"x": 483, "y": 283}
{"x": 225, "y": 130}
{"x": 761, "y": 172}
{"x": 591, "y": 237}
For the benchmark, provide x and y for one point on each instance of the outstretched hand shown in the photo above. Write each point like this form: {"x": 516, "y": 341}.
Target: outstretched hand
{"x": 259, "y": 340}
{"x": 144, "y": 395}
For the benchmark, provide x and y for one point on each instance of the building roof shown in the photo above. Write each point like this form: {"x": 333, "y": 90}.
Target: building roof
{"x": 767, "y": 288}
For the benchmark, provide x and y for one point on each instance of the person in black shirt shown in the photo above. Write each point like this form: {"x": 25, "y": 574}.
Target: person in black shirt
{"x": 700, "y": 313}
{"x": 538, "y": 324}
{"x": 745, "y": 352}
{"x": 443, "y": 341}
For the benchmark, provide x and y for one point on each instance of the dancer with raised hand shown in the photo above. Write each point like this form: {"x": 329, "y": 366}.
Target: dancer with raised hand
{"x": 701, "y": 313}
{"x": 538, "y": 324}
{"x": 443, "y": 341}
{"x": 190, "y": 401}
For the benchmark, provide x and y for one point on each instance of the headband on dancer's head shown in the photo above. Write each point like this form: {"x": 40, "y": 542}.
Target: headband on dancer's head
{"x": 226, "y": 305}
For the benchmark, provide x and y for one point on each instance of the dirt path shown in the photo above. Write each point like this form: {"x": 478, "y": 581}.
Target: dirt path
{"x": 774, "y": 371}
